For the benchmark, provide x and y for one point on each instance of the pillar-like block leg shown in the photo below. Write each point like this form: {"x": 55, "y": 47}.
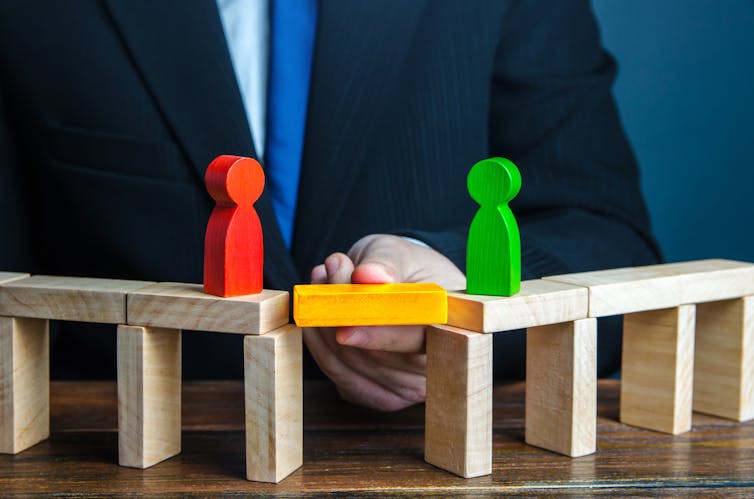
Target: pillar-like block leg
{"x": 149, "y": 395}
{"x": 724, "y": 359}
{"x": 561, "y": 387}
{"x": 458, "y": 427}
{"x": 274, "y": 404}
{"x": 24, "y": 383}
{"x": 658, "y": 360}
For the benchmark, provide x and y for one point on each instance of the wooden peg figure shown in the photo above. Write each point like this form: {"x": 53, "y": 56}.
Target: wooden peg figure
{"x": 233, "y": 245}
{"x": 493, "y": 253}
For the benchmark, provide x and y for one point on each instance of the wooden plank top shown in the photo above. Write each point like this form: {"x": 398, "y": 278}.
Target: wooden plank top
{"x": 539, "y": 303}
{"x": 187, "y": 306}
{"x": 333, "y": 305}
{"x": 361, "y": 452}
{"x": 654, "y": 287}
{"x": 84, "y": 299}
{"x": 11, "y": 276}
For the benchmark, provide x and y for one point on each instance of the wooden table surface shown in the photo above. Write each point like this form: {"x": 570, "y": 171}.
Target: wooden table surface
{"x": 359, "y": 452}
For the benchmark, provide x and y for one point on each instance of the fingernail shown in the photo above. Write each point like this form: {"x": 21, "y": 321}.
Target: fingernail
{"x": 356, "y": 338}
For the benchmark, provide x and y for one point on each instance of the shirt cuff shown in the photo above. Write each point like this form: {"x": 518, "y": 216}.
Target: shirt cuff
{"x": 415, "y": 241}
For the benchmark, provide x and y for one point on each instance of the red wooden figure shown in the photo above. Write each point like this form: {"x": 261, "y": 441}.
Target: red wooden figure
{"x": 233, "y": 246}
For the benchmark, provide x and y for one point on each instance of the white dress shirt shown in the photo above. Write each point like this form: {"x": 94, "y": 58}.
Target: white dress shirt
{"x": 246, "y": 24}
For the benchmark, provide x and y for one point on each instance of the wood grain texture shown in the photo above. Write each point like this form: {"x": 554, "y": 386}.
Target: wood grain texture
{"x": 724, "y": 359}
{"x": 274, "y": 404}
{"x": 561, "y": 387}
{"x": 333, "y": 305}
{"x": 355, "y": 452}
{"x": 657, "y": 371}
{"x": 458, "y": 428}
{"x": 149, "y": 395}
{"x": 24, "y": 383}
{"x": 655, "y": 287}
{"x": 82, "y": 299}
{"x": 538, "y": 303}
{"x": 186, "y": 306}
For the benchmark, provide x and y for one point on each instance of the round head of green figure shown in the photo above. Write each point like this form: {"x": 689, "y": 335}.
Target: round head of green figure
{"x": 494, "y": 181}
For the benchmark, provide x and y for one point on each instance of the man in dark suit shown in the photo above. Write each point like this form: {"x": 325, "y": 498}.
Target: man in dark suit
{"x": 110, "y": 111}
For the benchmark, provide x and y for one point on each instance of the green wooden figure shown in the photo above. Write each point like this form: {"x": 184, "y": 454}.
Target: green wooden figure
{"x": 493, "y": 253}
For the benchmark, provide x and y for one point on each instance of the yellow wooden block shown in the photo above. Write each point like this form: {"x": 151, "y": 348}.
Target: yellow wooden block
{"x": 333, "y": 305}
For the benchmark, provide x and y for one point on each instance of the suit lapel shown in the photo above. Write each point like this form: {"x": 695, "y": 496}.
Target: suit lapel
{"x": 180, "y": 50}
{"x": 360, "y": 56}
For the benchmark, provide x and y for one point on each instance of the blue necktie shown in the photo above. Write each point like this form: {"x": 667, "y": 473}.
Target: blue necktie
{"x": 291, "y": 45}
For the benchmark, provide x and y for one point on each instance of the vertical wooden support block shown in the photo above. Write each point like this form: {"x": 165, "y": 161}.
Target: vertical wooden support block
{"x": 24, "y": 383}
{"x": 724, "y": 359}
{"x": 274, "y": 404}
{"x": 149, "y": 395}
{"x": 657, "y": 377}
{"x": 561, "y": 387}
{"x": 458, "y": 427}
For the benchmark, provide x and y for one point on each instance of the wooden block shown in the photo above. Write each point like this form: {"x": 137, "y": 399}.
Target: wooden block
{"x": 561, "y": 387}
{"x": 24, "y": 383}
{"x": 149, "y": 395}
{"x": 724, "y": 359}
{"x": 657, "y": 372}
{"x": 186, "y": 306}
{"x": 81, "y": 299}
{"x": 458, "y": 428}
{"x": 11, "y": 276}
{"x": 233, "y": 245}
{"x": 493, "y": 253}
{"x": 655, "y": 287}
{"x": 537, "y": 304}
{"x": 332, "y": 305}
{"x": 274, "y": 404}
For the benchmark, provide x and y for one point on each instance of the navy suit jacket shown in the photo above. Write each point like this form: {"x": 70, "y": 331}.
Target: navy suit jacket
{"x": 111, "y": 110}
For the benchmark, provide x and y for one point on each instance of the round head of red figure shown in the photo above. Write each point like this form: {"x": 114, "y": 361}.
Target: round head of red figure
{"x": 494, "y": 181}
{"x": 234, "y": 180}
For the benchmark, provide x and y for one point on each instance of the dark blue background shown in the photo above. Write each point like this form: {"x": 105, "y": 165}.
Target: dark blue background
{"x": 686, "y": 94}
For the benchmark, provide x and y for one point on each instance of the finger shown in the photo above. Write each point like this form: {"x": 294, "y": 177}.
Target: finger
{"x": 400, "y": 339}
{"x": 339, "y": 268}
{"x": 374, "y": 272}
{"x": 319, "y": 274}
{"x": 356, "y": 387}
{"x": 379, "y": 259}
{"x": 401, "y": 374}
{"x": 369, "y": 394}
{"x": 316, "y": 342}
{"x": 377, "y": 364}
{"x": 415, "y": 363}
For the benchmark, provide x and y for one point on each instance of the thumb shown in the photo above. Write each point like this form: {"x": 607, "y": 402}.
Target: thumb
{"x": 376, "y": 271}
{"x": 379, "y": 261}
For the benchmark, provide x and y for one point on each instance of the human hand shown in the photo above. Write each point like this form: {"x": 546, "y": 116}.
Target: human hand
{"x": 381, "y": 367}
